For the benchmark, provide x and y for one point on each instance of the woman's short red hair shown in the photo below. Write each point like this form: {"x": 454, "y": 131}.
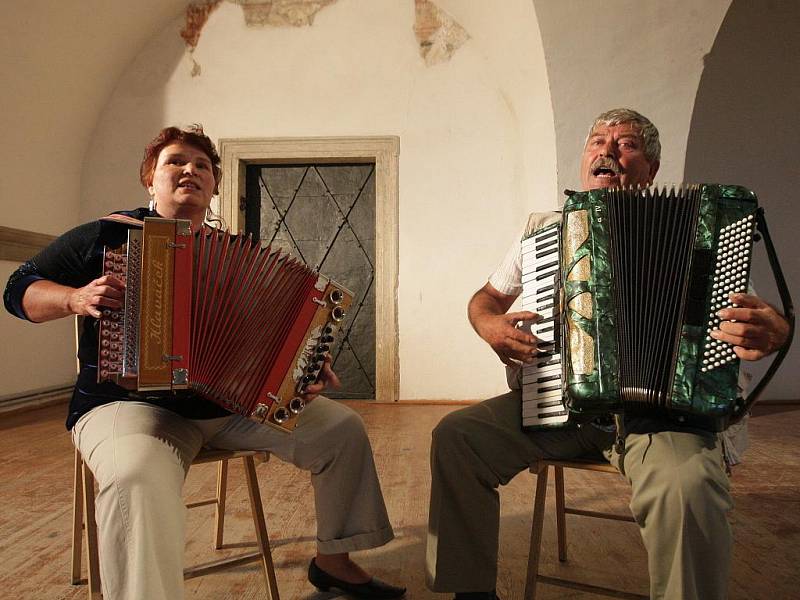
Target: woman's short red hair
{"x": 192, "y": 135}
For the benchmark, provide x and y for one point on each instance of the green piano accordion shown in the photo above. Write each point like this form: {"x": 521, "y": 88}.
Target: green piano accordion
{"x": 637, "y": 282}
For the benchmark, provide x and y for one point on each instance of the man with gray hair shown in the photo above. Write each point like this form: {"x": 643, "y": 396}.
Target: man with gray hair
{"x": 680, "y": 494}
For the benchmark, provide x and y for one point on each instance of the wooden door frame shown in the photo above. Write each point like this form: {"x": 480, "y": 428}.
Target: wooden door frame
{"x": 237, "y": 153}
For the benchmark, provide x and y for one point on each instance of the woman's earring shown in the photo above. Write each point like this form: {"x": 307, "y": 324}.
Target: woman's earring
{"x": 152, "y": 205}
{"x": 213, "y": 219}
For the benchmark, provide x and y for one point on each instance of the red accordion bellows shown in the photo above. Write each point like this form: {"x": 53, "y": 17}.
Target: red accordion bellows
{"x": 244, "y": 327}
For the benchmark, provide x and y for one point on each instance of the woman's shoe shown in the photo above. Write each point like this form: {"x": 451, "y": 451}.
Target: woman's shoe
{"x": 374, "y": 589}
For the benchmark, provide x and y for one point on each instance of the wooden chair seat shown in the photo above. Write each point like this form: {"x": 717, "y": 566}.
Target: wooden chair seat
{"x": 540, "y": 469}
{"x": 84, "y": 521}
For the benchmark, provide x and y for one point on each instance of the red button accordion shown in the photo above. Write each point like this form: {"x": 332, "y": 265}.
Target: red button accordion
{"x": 244, "y": 327}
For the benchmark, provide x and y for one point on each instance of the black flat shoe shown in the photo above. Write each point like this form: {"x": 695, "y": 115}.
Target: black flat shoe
{"x": 374, "y": 589}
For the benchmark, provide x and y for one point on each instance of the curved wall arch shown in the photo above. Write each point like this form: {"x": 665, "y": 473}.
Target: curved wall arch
{"x": 745, "y": 129}
{"x": 647, "y": 56}
{"x": 59, "y": 62}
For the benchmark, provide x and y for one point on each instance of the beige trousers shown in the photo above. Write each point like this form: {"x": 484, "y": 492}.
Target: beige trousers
{"x": 140, "y": 454}
{"x": 680, "y": 497}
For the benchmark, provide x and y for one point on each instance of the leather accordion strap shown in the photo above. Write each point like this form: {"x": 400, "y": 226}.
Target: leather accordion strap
{"x": 123, "y": 219}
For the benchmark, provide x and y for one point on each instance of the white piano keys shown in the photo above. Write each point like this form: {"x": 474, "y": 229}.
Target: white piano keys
{"x": 542, "y": 395}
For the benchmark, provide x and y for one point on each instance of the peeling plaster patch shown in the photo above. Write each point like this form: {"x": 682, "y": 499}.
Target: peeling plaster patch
{"x": 196, "y": 16}
{"x": 195, "y": 68}
{"x": 438, "y": 34}
{"x": 257, "y": 13}
{"x": 281, "y": 13}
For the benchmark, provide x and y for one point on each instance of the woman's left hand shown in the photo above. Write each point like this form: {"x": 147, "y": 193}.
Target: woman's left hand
{"x": 327, "y": 378}
{"x": 754, "y": 328}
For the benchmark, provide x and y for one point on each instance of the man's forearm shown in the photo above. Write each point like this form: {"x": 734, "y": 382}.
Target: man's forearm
{"x": 488, "y": 314}
{"x": 483, "y": 305}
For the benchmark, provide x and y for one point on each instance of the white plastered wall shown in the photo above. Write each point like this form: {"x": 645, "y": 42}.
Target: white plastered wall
{"x": 647, "y": 56}
{"x": 476, "y": 143}
{"x": 480, "y": 135}
{"x": 58, "y": 65}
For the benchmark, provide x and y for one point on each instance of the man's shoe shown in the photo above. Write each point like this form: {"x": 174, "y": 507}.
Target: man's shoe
{"x": 374, "y": 589}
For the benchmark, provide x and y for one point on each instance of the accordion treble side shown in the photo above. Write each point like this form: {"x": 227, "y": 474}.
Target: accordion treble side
{"x": 244, "y": 327}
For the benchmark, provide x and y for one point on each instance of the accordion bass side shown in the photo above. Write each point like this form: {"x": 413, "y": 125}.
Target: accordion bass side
{"x": 244, "y": 327}
{"x": 629, "y": 284}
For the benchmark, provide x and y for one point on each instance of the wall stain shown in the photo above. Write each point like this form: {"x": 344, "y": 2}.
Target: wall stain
{"x": 438, "y": 34}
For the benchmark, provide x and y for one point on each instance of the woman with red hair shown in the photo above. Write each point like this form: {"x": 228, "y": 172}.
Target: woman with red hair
{"x": 139, "y": 446}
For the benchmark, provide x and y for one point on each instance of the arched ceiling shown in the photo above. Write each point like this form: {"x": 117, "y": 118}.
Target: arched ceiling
{"x": 60, "y": 62}
{"x": 647, "y": 56}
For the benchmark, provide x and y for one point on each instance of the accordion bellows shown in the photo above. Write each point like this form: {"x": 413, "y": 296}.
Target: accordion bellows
{"x": 244, "y": 327}
{"x": 636, "y": 283}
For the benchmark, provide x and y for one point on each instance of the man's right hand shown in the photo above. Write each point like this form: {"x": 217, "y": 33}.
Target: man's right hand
{"x": 509, "y": 341}
{"x": 487, "y": 311}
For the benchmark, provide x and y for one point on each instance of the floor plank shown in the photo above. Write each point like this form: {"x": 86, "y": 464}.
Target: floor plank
{"x": 35, "y": 490}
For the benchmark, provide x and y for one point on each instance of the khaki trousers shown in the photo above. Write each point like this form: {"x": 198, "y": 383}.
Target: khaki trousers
{"x": 680, "y": 497}
{"x": 140, "y": 454}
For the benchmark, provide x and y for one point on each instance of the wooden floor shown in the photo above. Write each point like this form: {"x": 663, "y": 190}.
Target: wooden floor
{"x": 35, "y": 492}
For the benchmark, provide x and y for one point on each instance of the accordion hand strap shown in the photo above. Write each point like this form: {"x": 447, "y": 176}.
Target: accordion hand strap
{"x": 788, "y": 311}
{"x": 117, "y": 218}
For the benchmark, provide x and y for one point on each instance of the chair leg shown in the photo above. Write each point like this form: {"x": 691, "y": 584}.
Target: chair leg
{"x": 90, "y": 525}
{"x": 561, "y": 524}
{"x": 77, "y": 519}
{"x": 261, "y": 528}
{"x": 536, "y": 532}
{"x": 219, "y": 515}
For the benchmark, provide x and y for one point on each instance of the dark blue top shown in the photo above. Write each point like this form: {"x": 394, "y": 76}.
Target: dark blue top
{"x": 75, "y": 259}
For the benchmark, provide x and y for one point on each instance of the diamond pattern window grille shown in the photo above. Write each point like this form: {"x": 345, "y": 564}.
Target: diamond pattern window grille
{"x": 324, "y": 214}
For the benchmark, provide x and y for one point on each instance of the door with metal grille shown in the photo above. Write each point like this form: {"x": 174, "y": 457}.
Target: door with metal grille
{"x": 324, "y": 215}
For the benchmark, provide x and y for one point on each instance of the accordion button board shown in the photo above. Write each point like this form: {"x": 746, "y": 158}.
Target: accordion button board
{"x": 730, "y": 277}
{"x": 119, "y": 328}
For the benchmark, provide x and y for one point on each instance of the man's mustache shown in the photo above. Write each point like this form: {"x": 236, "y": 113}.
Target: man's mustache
{"x": 605, "y": 163}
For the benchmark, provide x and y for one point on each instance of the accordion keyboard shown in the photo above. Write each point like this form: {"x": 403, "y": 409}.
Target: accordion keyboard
{"x": 542, "y": 397}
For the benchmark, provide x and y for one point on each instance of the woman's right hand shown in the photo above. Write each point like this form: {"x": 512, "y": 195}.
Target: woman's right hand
{"x": 104, "y": 292}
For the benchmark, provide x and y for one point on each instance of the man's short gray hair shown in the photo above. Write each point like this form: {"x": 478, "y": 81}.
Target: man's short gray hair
{"x": 617, "y": 116}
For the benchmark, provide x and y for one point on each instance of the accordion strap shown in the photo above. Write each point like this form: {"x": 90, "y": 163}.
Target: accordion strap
{"x": 788, "y": 312}
{"x": 117, "y": 218}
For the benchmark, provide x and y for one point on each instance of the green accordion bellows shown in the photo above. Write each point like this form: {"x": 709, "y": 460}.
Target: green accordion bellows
{"x": 642, "y": 274}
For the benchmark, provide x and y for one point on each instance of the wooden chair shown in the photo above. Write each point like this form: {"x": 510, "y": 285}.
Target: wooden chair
{"x": 83, "y": 515}
{"x": 533, "y": 577}
{"x": 83, "y": 521}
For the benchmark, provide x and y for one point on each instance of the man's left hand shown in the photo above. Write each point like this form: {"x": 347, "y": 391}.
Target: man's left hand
{"x": 327, "y": 378}
{"x": 753, "y": 327}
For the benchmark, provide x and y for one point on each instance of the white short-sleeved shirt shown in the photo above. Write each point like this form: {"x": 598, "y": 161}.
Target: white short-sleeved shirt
{"x": 507, "y": 278}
